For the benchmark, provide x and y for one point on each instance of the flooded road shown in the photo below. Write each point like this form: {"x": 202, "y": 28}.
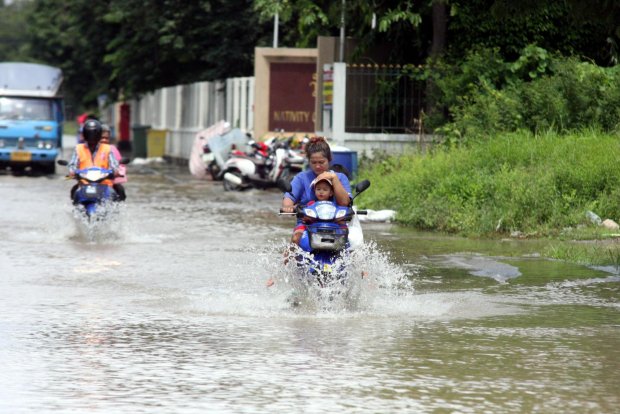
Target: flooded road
{"x": 165, "y": 309}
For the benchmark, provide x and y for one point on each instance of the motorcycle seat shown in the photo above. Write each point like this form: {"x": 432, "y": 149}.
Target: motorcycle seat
{"x": 258, "y": 161}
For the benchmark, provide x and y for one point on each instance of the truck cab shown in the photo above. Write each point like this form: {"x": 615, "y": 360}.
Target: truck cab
{"x": 31, "y": 116}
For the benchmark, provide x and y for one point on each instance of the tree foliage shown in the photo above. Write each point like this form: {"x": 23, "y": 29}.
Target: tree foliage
{"x": 404, "y": 25}
{"x": 168, "y": 42}
{"x": 72, "y": 36}
{"x": 14, "y": 44}
{"x": 556, "y": 25}
{"x": 133, "y": 47}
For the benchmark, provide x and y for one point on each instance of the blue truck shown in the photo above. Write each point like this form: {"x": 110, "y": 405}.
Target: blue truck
{"x": 31, "y": 116}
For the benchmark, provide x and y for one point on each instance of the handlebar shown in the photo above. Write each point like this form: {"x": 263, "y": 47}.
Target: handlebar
{"x": 299, "y": 212}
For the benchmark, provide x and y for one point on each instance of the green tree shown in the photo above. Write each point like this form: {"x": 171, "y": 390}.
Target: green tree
{"x": 14, "y": 45}
{"x": 73, "y": 36}
{"x": 405, "y": 26}
{"x": 415, "y": 30}
{"x": 134, "y": 47}
{"x": 569, "y": 27}
{"x": 109, "y": 46}
{"x": 168, "y": 42}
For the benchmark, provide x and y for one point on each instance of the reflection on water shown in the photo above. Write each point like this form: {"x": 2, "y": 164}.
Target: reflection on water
{"x": 166, "y": 310}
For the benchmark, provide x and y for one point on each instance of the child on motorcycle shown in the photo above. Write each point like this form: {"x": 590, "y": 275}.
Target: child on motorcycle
{"x": 323, "y": 191}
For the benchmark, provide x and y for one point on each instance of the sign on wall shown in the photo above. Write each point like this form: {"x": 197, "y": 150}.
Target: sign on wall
{"x": 328, "y": 87}
{"x": 292, "y": 94}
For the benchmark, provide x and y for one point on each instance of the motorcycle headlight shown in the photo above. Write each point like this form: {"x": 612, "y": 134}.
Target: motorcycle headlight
{"x": 92, "y": 175}
{"x": 326, "y": 211}
{"x": 341, "y": 213}
{"x": 309, "y": 212}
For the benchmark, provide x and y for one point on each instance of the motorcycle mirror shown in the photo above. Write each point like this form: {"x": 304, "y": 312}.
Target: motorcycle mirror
{"x": 62, "y": 162}
{"x": 284, "y": 185}
{"x": 362, "y": 186}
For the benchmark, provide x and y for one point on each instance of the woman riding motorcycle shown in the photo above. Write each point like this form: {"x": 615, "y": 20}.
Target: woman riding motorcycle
{"x": 319, "y": 157}
{"x": 303, "y": 191}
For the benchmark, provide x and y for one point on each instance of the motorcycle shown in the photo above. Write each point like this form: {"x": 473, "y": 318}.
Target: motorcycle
{"x": 327, "y": 242}
{"x": 268, "y": 163}
{"x": 91, "y": 194}
{"x": 219, "y": 148}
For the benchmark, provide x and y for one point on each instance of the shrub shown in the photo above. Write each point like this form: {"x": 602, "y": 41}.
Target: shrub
{"x": 537, "y": 92}
{"x": 532, "y": 183}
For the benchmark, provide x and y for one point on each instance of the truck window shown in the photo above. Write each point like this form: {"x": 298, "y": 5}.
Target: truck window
{"x": 26, "y": 109}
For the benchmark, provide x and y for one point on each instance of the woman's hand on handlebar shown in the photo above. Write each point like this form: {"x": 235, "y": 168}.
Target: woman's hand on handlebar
{"x": 288, "y": 209}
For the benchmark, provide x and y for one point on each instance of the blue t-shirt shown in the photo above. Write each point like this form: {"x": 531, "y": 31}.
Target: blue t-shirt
{"x": 302, "y": 193}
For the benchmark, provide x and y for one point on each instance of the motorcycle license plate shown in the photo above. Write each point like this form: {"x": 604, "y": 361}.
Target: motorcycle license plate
{"x": 22, "y": 156}
{"x": 208, "y": 157}
{"x": 91, "y": 190}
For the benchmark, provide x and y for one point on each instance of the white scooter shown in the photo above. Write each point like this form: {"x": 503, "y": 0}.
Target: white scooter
{"x": 260, "y": 170}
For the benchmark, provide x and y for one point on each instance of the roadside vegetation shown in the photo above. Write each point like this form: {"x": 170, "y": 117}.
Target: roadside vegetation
{"x": 530, "y": 147}
{"x": 517, "y": 183}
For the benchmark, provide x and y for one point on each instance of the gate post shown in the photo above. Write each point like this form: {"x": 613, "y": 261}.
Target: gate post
{"x": 340, "y": 102}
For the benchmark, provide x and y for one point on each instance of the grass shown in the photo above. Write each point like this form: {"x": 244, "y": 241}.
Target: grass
{"x": 517, "y": 184}
{"x": 587, "y": 253}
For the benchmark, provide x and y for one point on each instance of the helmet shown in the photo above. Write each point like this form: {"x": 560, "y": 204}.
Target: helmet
{"x": 92, "y": 131}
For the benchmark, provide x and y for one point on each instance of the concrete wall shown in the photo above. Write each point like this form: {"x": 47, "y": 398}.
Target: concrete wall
{"x": 263, "y": 57}
{"x": 184, "y": 110}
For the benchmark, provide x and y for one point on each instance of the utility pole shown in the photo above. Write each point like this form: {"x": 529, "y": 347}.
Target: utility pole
{"x": 342, "y": 31}
{"x": 276, "y": 18}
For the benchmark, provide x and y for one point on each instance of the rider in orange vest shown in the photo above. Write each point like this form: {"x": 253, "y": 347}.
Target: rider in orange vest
{"x": 92, "y": 153}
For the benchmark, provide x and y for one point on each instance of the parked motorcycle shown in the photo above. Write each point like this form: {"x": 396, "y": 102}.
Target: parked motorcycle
{"x": 219, "y": 147}
{"x": 263, "y": 167}
{"x": 326, "y": 242}
{"x": 91, "y": 195}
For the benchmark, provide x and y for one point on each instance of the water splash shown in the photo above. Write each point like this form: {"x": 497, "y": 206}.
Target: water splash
{"x": 371, "y": 278}
{"x": 103, "y": 227}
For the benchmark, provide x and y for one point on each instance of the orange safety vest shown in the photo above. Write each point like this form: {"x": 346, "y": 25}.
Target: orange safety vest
{"x": 101, "y": 159}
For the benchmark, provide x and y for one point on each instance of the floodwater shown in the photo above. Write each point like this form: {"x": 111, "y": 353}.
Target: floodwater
{"x": 165, "y": 309}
